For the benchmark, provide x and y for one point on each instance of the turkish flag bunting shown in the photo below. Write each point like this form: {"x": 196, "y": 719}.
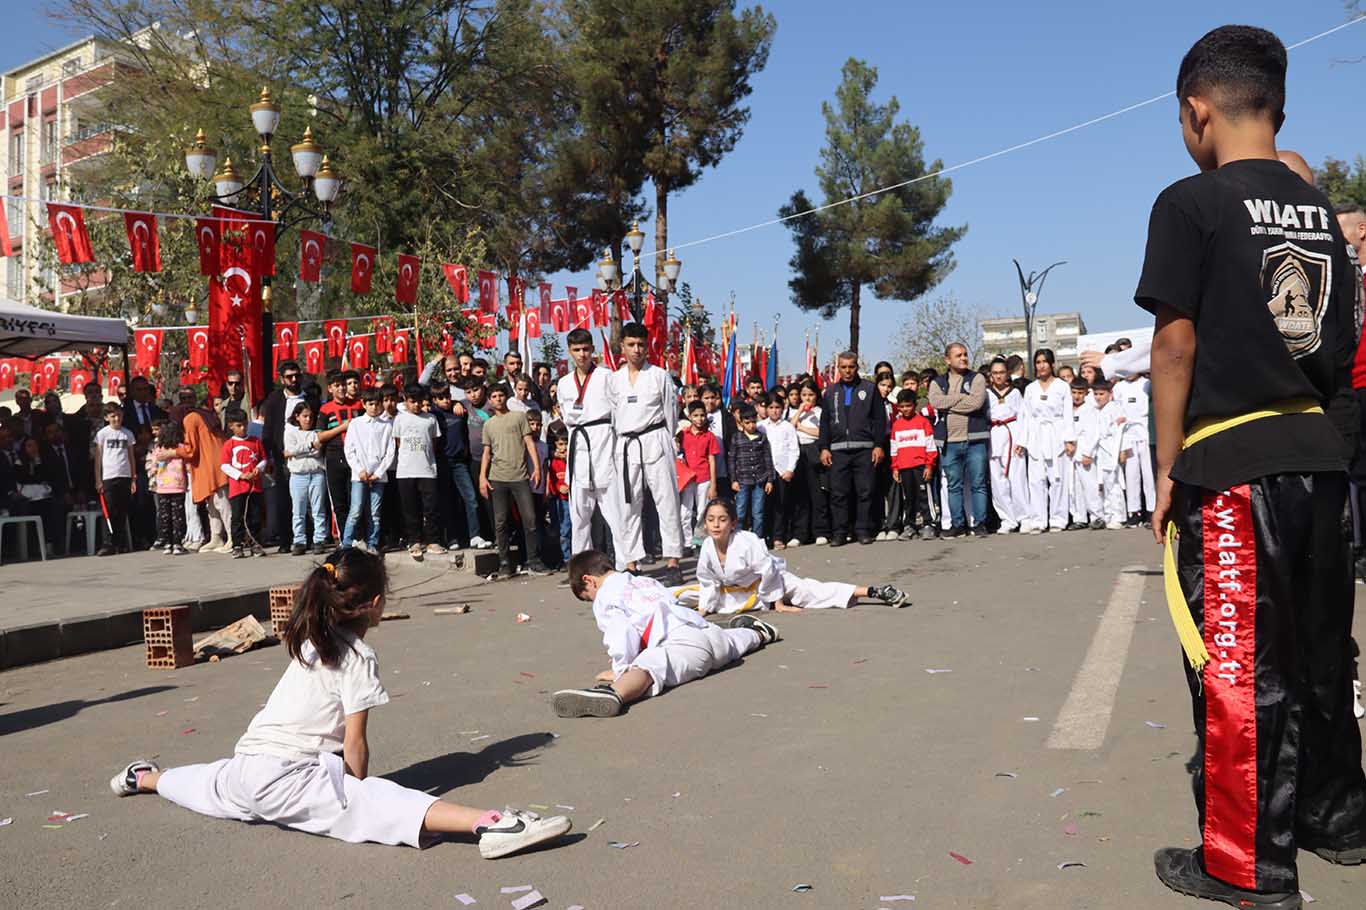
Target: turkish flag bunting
{"x": 609, "y": 359}
{"x": 148, "y": 345}
{"x": 583, "y": 310}
{"x": 383, "y": 327}
{"x": 516, "y": 294}
{"x": 545, "y": 301}
{"x": 68, "y": 233}
{"x": 362, "y": 267}
{"x": 399, "y": 351}
{"x": 51, "y": 371}
{"x": 559, "y": 315}
{"x": 143, "y": 241}
{"x": 198, "y": 338}
{"x": 188, "y": 375}
{"x": 656, "y": 323}
{"x": 358, "y": 352}
{"x": 488, "y": 324}
{"x": 286, "y": 341}
{"x": 455, "y": 277}
{"x": 600, "y": 317}
{"x": 471, "y": 324}
{"x": 315, "y": 357}
{"x": 235, "y": 316}
{"x": 312, "y": 249}
{"x": 334, "y": 330}
{"x": 623, "y": 305}
{"x": 367, "y": 379}
{"x": 6, "y": 248}
{"x": 262, "y": 237}
{"x": 447, "y": 340}
{"x": 6, "y": 374}
{"x": 531, "y": 319}
{"x": 78, "y": 380}
{"x": 208, "y": 236}
{"x": 488, "y": 292}
{"x": 115, "y": 383}
{"x": 405, "y": 292}
{"x": 561, "y": 366}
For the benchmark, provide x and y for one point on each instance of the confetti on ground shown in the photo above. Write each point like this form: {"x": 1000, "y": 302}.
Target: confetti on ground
{"x": 1155, "y": 725}
{"x": 478, "y": 738}
{"x": 758, "y": 715}
{"x": 597, "y": 824}
{"x": 1070, "y": 830}
{"x": 621, "y": 845}
{"x": 802, "y": 888}
{"x": 6, "y": 821}
{"x": 1088, "y": 781}
{"x": 36, "y": 793}
{"x": 1071, "y": 864}
{"x": 1010, "y": 774}
{"x": 819, "y": 686}
{"x": 465, "y": 899}
{"x": 1089, "y": 814}
{"x": 782, "y": 666}
{"x": 677, "y": 795}
{"x": 861, "y": 660}
{"x": 576, "y": 907}
{"x": 50, "y": 827}
{"x": 537, "y": 806}
{"x": 58, "y": 816}
{"x": 1308, "y": 898}
{"x": 1058, "y": 792}
{"x": 187, "y": 731}
{"x": 934, "y": 670}
{"x": 451, "y": 611}
{"x": 528, "y": 675}
{"x": 897, "y": 897}
{"x": 193, "y": 698}
{"x": 1030, "y": 720}
{"x": 468, "y": 732}
{"x": 961, "y": 858}
{"x": 515, "y": 889}
{"x": 162, "y": 713}
{"x": 522, "y": 617}
{"x": 528, "y": 900}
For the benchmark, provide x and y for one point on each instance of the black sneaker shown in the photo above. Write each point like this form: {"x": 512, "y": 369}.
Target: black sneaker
{"x": 927, "y": 533}
{"x": 980, "y": 531}
{"x": 285, "y": 550}
{"x": 298, "y": 550}
{"x": 321, "y": 549}
{"x": 1097, "y": 524}
{"x": 891, "y": 596}
{"x": 955, "y": 531}
{"x": 1133, "y": 521}
{"x": 239, "y": 553}
{"x": 1351, "y": 856}
{"x": 838, "y": 540}
{"x": 768, "y": 633}
{"x": 258, "y": 551}
{"x": 599, "y": 701}
{"x": 865, "y": 539}
{"x": 1182, "y": 870}
{"x": 105, "y": 550}
{"x": 672, "y": 577}
{"x": 535, "y": 567}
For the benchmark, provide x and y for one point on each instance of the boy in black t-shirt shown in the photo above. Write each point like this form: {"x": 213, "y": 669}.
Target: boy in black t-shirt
{"x": 1246, "y": 274}
{"x": 333, "y": 419}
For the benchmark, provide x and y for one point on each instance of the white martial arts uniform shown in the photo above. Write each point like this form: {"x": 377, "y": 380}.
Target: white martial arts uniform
{"x": 1086, "y": 505}
{"x": 1132, "y": 397}
{"x": 645, "y": 417}
{"x": 591, "y": 461}
{"x": 1009, "y": 483}
{"x": 643, "y": 626}
{"x": 754, "y": 579}
{"x": 1048, "y": 428}
{"x": 286, "y": 769}
{"x": 1112, "y": 438}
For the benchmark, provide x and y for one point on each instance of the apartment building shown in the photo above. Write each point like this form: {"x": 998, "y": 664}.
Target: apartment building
{"x": 1059, "y": 332}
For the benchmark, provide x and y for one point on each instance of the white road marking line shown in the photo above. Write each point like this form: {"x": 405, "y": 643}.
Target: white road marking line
{"x": 1085, "y": 717}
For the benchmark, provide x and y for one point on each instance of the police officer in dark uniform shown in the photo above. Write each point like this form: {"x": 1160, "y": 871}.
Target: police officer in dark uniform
{"x": 853, "y": 442}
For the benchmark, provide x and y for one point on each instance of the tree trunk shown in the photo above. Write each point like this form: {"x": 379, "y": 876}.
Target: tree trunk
{"x": 661, "y": 230}
{"x": 853, "y": 317}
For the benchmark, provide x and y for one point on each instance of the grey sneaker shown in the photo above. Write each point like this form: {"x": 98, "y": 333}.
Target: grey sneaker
{"x": 768, "y": 633}
{"x": 927, "y": 533}
{"x": 125, "y": 783}
{"x": 891, "y": 596}
{"x": 599, "y": 701}
{"x": 517, "y": 830}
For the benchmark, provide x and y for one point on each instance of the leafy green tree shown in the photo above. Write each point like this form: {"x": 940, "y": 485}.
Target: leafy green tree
{"x": 1342, "y": 182}
{"x": 884, "y": 239}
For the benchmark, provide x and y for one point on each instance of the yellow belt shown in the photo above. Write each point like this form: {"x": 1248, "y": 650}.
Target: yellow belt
{"x": 1192, "y": 642}
{"x": 753, "y": 590}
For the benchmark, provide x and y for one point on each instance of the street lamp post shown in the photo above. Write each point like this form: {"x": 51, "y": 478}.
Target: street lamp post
{"x": 261, "y": 188}
{"x": 1030, "y": 289}
{"x": 609, "y": 274}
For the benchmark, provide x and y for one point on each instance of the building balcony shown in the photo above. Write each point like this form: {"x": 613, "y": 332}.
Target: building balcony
{"x": 93, "y": 78}
{"x": 88, "y": 141}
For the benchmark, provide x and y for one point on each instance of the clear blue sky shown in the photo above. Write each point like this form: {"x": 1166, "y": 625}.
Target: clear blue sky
{"x": 976, "y": 78}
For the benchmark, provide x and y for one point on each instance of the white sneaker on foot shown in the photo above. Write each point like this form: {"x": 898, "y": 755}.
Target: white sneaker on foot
{"x": 822, "y": 541}
{"x": 599, "y": 701}
{"x": 1356, "y": 695}
{"x": 794, "y": 542}
{"x": 517, "y": 830}
{"x": 479, "y": 543}
{"x": 125, "y": 783}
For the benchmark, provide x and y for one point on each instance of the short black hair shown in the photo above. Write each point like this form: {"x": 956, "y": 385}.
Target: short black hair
{"x": 1101, "y": 385}
{"x": 905, "y": 396}
{"x": 776, "y": 397}
{"x": 480, "y": 362}
{"x": 695, "y": 405}
{"x": 369, "y": 395}
{"x": 713, "y": 387}
{"x": 1080, "y": 385}
{"x": 389, "y": 388}
{"x": 470, "y": 382}
{"x": 747, "y": 412}
{"x": 634, "y": 330}
{"x": 348, "y": 375}
{"x": 1014, "y": 362}
{"x": 112, "y": 407}
{"x": 579, "y": 336}
{"x": 416, "y": 393}
{"x": 594, "y": 563}
{"x": 287, "y": 365}
{"x": 234, "y": 415}
{"x": 1240, "y": 69}
{"x": 1347, "y": 208}
{"x": 334, "y": 376}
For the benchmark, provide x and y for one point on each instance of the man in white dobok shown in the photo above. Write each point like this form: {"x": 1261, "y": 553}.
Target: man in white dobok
{"x": 587, "y": 417}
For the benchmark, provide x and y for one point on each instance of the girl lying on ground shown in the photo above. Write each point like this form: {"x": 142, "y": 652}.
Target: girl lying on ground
{"x": 286, "y": 769}
{"x": 736, "y": 574}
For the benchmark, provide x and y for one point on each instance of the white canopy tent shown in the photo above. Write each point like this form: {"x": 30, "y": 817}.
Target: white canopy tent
{"x": 27, "y": 331}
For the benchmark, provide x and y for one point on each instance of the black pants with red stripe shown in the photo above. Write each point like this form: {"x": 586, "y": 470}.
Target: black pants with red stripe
{"x": 1267, "y": 573}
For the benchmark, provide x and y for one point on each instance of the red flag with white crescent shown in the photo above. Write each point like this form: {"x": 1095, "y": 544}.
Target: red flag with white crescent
{"x": 6, "y": 248}
{"x": 143, "y": 241}
{"x": 358, "y": 352}
{"x": 409, "y": 269}
{"x": 362, "y": 267}
{"x": 655, "y": 324}
{"x": 334, "y": 330}
{"x": 208, "y": 235}
{"x": 488, "y": 292}
{"x": 531, "y": 320}
{"x": 148, "y": 345}
{"x": 600, "y": 317}
{"x": 198, "y": 337}
{"x": 315, "y": 357}
{"x": 545, "y": 301}
{"x": 516, "y": 294}
{"x": 447, "y": 340}
{"x": 398, "y": 352}
{"x": 623, "y": 305}
{"x": 312, "y": 249}
{"x": 287, "y": 340}
{"x": 383, "y": 327}
{"x": 68, "y": 233}
{"x": 559, "y": 315}
{"x": 688, "y": 371}
{"x": 78, "y": 380}
{"x": 561, "y": 367}
{"x": 51, "y": 370}
{"x": 455, "y": 277}
{"x": 6, "y": 374}
{"x": 235, "y": 341}
{"x": 261, "y": 235}
{"x": 488, "y": 324}
{"x": 608, "y": 358}
{"x": 115, "y": 383}
{"x": 583, "y": 310}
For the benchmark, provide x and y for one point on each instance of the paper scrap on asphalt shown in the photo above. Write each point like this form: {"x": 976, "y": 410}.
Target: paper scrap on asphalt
{"x": 1058, "y": 792}
{"x": 961, "y": 858}
{"x": 1010, "y": 774}
{"x": 597, "y": 824}
{"x": 934, "y": 670}
{"x": 528, "y": 900}
{"x": 478, "y": 738}
{"x": 1070, "y": 864}
{"x": 537, "y": 806}
{"x": 465, "y": 899}
{"x": 36, "y": 793}
{"x": 758, "y": 715}
{"x": 819, "y": 686}
{"x": 575, "y": 907}
{"x": 1030, "y": 720}
{"x": 187, "y": 731}
{"x": 50, "y": 827}
{"x": 802, "y": 888}
{"x": 193, "y": 698}
{"x": 468, "y": 732}
{"x": 6, "y": 821}
{"x": 515, "y": 889}
{"x": 1155, "y": 725}
{"x": 622, "y": 845}
{"x": 677, "y": 795}
{"x": 528, "y": 675}
{"x": 1070, "y": 830}
{"x": 451, "y": 611}
{"x": 1307, "y": 897}
{"x": 897, "y": 897}
{"x": 565, "y": 808}
{"x": 861, "y": 660}
{"x": 57, "y": 816}
{"x": 162, "y": 713}
{"x": 522, "y": 617}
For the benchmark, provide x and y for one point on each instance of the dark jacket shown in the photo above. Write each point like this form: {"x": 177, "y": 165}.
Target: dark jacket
{"x": 749, "y": 460}
{"x": 862, "y": 420}
{"x": 942, "y": 395}
{"x": 273, "y": 419}
{"x": 454, "y": 442}
{"x": 130, "y": 416}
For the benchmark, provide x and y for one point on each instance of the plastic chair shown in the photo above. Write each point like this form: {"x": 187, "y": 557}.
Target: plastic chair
{"x": 93, "y": 521}
{"x": 20, "y": 521}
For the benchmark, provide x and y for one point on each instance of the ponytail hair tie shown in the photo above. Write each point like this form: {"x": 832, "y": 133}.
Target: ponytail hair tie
{"x": 330, "y": 569}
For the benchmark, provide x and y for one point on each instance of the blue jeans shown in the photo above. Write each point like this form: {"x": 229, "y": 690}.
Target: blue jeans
{"x": 750, "y": 502}
{"x": 306, "y": 492}
{"x": 464, "y": 491}
{"x": 560, "y": 522}
{"x": 969, "y": 457}
{"x": 359, "y": 500}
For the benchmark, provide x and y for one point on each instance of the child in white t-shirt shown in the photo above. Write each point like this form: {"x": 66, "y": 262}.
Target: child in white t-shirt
{"x": 304, "y": 761}
{"x": 415, "y": 434}
{"x": 114, "y": 476}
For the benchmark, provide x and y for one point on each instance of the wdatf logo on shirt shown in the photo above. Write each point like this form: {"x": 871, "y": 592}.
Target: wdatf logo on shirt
{"x": 1298, "y": 285}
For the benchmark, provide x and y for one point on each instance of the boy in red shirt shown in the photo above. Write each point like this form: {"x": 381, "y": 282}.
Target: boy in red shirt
{"x": 557, "y": 491}
{"x": 913, "y": 457}
{"x": 700, "y": 449}
{"x": 244, "y": 461}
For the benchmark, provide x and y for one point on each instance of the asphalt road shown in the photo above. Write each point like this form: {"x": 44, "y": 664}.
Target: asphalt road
{"x": 832, "y": 759}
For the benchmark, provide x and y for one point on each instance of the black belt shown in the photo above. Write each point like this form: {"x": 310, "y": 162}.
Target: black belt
{"x": 634, "y": 436}
{"x": 574, "y": 433}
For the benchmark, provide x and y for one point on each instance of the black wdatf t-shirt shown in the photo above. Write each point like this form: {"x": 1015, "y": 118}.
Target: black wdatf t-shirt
{"x": 1254, "y": 257}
